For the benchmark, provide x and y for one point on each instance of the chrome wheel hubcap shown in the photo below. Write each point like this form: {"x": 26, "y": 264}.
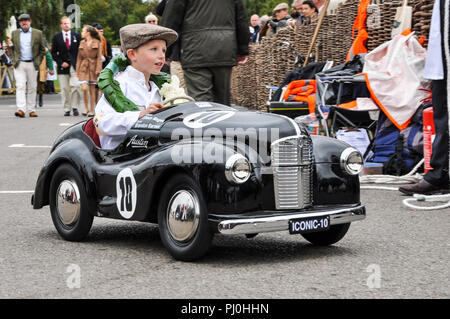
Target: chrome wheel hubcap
{"x": 183, "y": 214}
{"x": 68, "y": 202}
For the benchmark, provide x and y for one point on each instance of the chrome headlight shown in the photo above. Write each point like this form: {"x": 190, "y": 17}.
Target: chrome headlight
{"x": 237, "y": 169}
{"x": 352, "y": 161}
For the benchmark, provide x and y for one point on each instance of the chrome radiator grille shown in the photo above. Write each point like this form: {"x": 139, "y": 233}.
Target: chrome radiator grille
{"x": 292, "y": 168}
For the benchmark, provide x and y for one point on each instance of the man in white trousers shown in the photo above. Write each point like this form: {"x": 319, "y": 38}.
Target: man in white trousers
{"x": 27, "y": 48}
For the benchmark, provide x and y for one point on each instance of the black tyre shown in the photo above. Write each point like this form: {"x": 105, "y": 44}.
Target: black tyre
{"x": 329, "y": 237}
{"x": 183, "y": 219}
{"x": 69, "y": 204}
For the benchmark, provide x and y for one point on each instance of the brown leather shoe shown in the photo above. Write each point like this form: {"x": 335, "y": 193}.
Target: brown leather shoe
{"x": 20, "y": 113}
{"x": 33, "y": 114}
{"x": 422, "y": 187}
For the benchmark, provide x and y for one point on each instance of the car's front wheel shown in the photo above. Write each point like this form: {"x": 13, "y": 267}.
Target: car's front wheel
{"x": 329, "y": 237}
{"x": 68, "y": 204}
{"x": 183, "y": 219}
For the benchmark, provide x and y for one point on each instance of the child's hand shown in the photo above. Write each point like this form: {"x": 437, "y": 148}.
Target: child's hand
{"x": 152, "y": 107}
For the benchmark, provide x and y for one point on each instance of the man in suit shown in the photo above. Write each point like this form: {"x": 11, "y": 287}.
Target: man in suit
{"x": 65, "y": 51}
{"x": 27, "y": 48}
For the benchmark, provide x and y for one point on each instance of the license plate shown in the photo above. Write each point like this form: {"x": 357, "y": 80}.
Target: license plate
{"x": 309, "y": 225}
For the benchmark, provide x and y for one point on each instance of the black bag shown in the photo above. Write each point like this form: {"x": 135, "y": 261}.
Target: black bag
{"x": 399, "y": 151}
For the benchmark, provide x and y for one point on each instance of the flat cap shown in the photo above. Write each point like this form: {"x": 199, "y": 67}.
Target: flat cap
{"x": 134, "y": 35}
{"x": 24, "y": 16}
{"x": 281, "y": 6}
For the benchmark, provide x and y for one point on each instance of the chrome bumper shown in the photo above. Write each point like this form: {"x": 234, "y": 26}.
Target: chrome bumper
{"x": 279, "y": 223}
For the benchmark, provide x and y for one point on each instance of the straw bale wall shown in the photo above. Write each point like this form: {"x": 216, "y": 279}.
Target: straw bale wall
{"x": 270, "y": 60}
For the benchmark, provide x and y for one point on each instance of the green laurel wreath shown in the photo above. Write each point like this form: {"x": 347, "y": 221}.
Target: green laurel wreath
{"x": 111, "y": 88}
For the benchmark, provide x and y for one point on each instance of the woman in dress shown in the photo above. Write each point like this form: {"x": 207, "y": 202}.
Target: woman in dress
{"x": 89, "y": 66}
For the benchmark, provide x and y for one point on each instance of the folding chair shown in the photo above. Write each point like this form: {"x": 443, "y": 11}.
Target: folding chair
{"x": 333, "y": 117}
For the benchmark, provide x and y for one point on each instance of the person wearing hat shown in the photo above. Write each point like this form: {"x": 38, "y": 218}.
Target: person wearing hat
{"x": 281, "y": 11}
{"x": 279, "y": 20}
{"x": 145, "y": 46}
{"x": 27, "y": 48}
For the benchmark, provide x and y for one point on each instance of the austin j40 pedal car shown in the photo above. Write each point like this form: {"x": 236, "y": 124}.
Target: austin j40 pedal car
{"x": 201, "y": 168}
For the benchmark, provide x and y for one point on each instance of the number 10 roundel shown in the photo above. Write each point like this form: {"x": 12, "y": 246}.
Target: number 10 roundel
{"x": 126, "y": 193}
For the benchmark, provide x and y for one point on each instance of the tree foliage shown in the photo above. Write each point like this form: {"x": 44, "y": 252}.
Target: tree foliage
{"x": 46, "y": 14}
{"x": 42, "y": 14}
{"x": 114, "y": 14}
{"x": 111, "y": 14}
{"x": 263, "y": 7}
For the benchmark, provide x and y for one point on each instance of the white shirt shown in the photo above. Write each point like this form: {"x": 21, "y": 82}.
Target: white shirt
{"x": 115, "y": 125}
{"x": 25, "y": 45}
{"x": 434, "y": 67}
{"x": 66, "y": 34}
{"x": 320, "y": 9}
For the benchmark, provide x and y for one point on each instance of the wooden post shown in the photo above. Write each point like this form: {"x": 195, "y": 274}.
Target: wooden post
{"x": 5, "y": 70}
{"x": 316, "y": 32}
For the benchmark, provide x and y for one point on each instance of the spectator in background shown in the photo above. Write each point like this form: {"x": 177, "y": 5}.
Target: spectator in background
{"x": 27, "y": 49}
{"x": 309, "y": 11}
{"x": 106, "y": 51}
{"x": 255, "y": 23}
{"x": 6, "y": 61}
{"x": 151, "y": 18}
{"x": 106, "y": 46}
{"x": 320, "y": 4}
{"x": 89, "y": 66}
{"x": 65, "y": 46}
{"x": 297, "y": 13}
{"x": 211, "y": 44}
{"x": 51, "y": 78}
{"x": 278, "y": 20}
{"x": 45, "y": 67}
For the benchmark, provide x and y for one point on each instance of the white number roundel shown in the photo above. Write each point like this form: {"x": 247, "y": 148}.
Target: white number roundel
{"x": 126, "y": 193}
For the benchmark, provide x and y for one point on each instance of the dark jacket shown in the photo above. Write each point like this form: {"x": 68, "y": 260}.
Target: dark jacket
{"x": 60, "y": 53}
{"x": 212, "y": 32}
{"x": 37, "y": 47}
{"x": 254, "y": 36}
{"x": 160, "y": 7}
{"x": 108, "y": 56}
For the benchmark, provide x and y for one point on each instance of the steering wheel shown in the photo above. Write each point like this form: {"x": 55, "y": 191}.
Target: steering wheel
{"x": 167, "y": 102}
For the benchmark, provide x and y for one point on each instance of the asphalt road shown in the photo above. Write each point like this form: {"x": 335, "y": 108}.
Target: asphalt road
{"x": 394, "y": 253}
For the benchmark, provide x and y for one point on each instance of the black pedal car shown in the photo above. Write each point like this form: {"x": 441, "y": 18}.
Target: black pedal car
{"x": 201, "y": 168}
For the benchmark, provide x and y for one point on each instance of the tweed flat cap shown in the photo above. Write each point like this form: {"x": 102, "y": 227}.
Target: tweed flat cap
{"x": 281, "y": 6}
{"x": 24, "y": 16}
{"x": 134, "y": 35}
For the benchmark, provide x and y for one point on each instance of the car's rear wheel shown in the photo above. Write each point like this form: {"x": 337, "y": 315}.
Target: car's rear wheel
{"x": 329, "y": 237}
{"x": 68, "y": 204}
{"x": 183, "y": 219}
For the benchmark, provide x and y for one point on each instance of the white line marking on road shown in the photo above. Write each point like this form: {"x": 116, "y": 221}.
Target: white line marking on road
{"x": 16, "y": 192}
{"x": 28, "y": 146}
{"x": 65, "y": 124}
